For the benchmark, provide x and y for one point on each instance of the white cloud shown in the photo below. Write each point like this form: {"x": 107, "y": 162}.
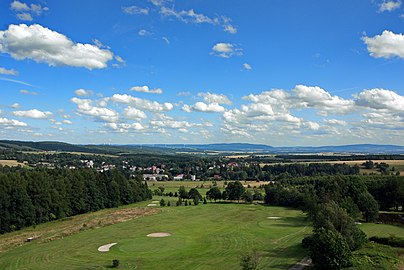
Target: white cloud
{"x": 312, "y": 125}
{"x": 203, "y": 107}
{"x": 215, "y": 98}
{"x": 15, "y": 105}
{"x": 152, "y": 106}
{"x": 230, "y": 29}
{"x": 25, "y": 17}
{"x": 335, "y": 122}
{"x": 316, "y": 97}
{"x": 247, "y": 67}
{"x": 143, "y": 32}
{"x": 386, "y": 45}
{"x": 124, "y": 127}
{"x": 190, "y": 16}
{"x": 389, "y": 6}
{"x": 135, "y": 10}
{"x": 133, "y": 113}
{"x": 83, "y": 92}
{"x": 11, "y": 123}
{"x": 166, "y": 40}
{"x": 67, "y": 122}
{"x": 26, "y": 92}
{"x": 381, "y": 99}
{"x": 44, "y": 45}
{"x": 5, "y": 71}
{"x": 226, "y": 50}
{"x": 26, "y": 12}
{"x": 146, "y": 89}
{"x": 84, "y": 106}
{"x": 184, "y": 94}
{"x": 34, "y": 113}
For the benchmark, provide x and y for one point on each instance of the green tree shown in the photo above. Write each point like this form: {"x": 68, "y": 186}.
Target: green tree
{"x": 249, "y": 261}
{"x": 329, "y": 250}
{"x": 234, "y": 190}
{"x": 182, "y": 193}
{"x": 247, "y": 196}
{"x": 214, "y": 194}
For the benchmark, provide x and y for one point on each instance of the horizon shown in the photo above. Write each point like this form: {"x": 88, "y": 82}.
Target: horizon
{"x": 203, "y": 72}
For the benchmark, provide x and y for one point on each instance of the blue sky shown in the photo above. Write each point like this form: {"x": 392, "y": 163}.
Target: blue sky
{"x": 281, "y": 72}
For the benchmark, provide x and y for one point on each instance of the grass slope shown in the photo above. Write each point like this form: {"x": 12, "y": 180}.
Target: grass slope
{"x": 205, "y": 237}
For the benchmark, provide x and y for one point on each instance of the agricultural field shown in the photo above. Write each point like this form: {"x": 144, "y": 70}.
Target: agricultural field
{"x": 211, "y": 236}
{"x": 11, "y": 163}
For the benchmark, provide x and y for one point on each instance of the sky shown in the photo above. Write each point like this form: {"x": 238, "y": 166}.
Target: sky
{"x": 277, "y": 72}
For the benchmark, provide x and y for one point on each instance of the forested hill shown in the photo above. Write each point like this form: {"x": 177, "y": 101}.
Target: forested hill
{"x": 218, "y": 147}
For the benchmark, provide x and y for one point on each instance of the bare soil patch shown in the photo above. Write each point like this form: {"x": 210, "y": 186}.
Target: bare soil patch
{"x": 159, "y": 234}
{"x": 10, "y": 163}
{"x": 105, "y": 248}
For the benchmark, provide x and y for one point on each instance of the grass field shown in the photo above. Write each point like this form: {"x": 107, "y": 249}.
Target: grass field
{"x": 211, "y": 236}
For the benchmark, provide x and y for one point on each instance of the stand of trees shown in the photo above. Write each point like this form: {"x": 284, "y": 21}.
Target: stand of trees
{"x": 29, "y": 197}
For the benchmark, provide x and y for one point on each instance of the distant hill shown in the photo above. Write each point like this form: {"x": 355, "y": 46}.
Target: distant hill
{"x": 216, "y": 147}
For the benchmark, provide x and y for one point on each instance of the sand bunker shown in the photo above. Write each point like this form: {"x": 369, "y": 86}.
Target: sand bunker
{"x": 105, "y": 248}
{"x": 159, "y": 234}
{"x": 273, "y": 217}
{"x": 152, "y": 204}
{"x": 155, "y": 201}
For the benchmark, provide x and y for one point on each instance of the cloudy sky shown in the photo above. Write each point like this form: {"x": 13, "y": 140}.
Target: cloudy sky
{"x": 279, "y": 72}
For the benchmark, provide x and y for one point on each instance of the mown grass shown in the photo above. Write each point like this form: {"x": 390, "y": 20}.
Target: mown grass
{"x": 211, "y": 236}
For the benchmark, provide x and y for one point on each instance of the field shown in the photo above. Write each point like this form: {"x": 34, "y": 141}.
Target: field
{"x": 10, "y": 163}
{"x": 211, "y": 236}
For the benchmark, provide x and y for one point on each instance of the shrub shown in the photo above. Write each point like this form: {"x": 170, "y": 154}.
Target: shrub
{"x": 115, "y": 263}
{"x": 392, "y": 241}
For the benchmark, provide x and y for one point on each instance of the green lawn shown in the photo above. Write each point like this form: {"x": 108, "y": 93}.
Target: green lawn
{"x": 211, "y": 236}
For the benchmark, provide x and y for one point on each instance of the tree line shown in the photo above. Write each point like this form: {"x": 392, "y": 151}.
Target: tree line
{"x": 33, "y": 196}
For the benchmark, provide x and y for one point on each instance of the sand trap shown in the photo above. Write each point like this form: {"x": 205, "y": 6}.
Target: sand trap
{"x": 155, "y": 201}
{"x": 273, "y": 217}
{"x": 152, "y": 204}
{"x": 159, "y": 234}
{"x": 105, "y": 248}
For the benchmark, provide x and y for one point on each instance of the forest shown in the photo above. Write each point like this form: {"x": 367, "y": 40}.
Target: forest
{"x": 32, "y": 196}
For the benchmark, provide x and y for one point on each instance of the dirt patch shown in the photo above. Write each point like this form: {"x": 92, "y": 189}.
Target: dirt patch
{"x": 68, "y": 226}
{"x": 159, "y": 234}
{"x": 105, "y": 248}
{"x": 11, "y": 163}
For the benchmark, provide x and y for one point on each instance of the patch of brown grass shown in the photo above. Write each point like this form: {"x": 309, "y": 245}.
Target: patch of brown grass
{"x": 10, "y": 163}
{"x": 68, "y": 226}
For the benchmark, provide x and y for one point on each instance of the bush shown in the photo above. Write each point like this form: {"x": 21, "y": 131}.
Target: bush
{"x": 162, "y": 202}
{"x": 307, "y": 241}
{"x": 249, "y": 261}
{"x": 392, "y": 241}
{"x": 115, "y": 263}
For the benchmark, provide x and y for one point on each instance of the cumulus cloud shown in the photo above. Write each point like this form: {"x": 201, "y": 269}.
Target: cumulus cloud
{"x": 184, "y": 94}
{"x": 84, "y": 106}
{"x": 26, "y": 92}
{"x": 67, "y": 122}
{"x": 389, "y": 6}
{"x": 316, "y": 97}
{"x": 83, "y": 92}
{"x": 381, "y": 99}
{"x": 46, "y": 46}
{"x": 203, "y": 107}
{"x": 135, "y": 10}
{"x": 133, "y": 113}
{"x": 386, "y": 45}
{"x": 34, "y": 113}
{"x": 125, "y": 127}
{"x": 144, "y": 104}
{"x": 215, "y": 98}
{"x": 15, "y": 105}
{"x": 5, "y": 71}
{"x": 11, "y": 123}
{"x": 226, "y": 50}
{"x": 146, "y": 89}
